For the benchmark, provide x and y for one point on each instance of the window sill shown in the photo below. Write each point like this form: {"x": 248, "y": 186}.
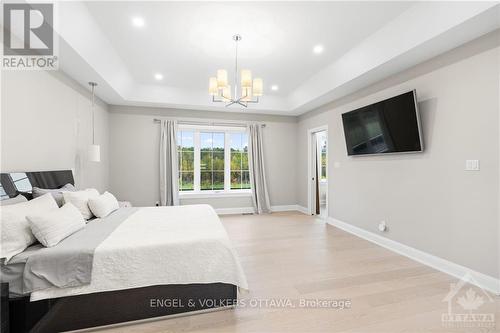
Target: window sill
{"x": 215, "y": 194}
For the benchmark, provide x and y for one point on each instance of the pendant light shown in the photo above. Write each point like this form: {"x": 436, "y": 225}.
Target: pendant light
{"x": 244, "y": 93}
{"x": 94, "y": 153}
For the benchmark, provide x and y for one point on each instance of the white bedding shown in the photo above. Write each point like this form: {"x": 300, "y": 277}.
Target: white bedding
{"x": 158, "y": 246}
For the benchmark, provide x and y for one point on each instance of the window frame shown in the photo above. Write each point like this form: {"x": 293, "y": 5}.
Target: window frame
{"x": 227, "y": 191}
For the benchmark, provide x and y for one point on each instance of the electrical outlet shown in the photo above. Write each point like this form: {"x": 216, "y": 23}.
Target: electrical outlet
{"x": 472, "y": 165}
{"x": 382, "y": 226}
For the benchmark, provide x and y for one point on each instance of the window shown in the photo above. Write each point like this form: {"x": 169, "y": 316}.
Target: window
{"x": 3, "y": 194}
{"x": 185, "y": 148}
{"x": 20, "y": 182}
{"x": 212, "y": 159}
{"x": 240, "y": 176}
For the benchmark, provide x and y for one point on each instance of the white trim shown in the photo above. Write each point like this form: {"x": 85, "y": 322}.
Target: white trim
{"x": 197, "y": 162}
{"x": 285, "y": 208}
{"x": 250, "y": 210}
{"x": 483, "y": 281}
{"x": 236, "y": 210}
{"x": 303, "y": 209}
{"x": 214, "y": 194}
{"x": 227, "y": 162}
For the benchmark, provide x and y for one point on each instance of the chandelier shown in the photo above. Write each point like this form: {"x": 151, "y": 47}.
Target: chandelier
{"x": 249, "y": 89}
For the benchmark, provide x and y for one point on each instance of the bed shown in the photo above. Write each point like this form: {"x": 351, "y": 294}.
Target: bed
{"x": 150, "y": 262}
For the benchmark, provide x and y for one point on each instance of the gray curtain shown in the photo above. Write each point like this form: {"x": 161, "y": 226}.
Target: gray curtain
{"x": 169, "y": 183}
{"x": 260, "y": 196}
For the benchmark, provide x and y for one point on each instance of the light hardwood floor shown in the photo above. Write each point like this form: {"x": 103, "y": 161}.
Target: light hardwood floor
{"x": 294, "y": 256}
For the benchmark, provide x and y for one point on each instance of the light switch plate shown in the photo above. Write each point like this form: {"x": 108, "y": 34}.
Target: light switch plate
{"x": 472, "y": 165}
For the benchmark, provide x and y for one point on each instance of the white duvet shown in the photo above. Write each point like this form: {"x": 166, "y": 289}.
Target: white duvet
{"x": 158, "y": 246}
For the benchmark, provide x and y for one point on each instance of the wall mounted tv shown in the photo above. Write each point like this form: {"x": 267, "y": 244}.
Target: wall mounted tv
{"x": 389, "y": 126}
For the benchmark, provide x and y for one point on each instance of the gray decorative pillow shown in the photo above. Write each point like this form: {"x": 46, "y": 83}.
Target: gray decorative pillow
{"x": 56, "y": 193}
{"x": 15, "y": 200}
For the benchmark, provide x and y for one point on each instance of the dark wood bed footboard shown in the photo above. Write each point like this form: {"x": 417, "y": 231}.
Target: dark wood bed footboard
{"x": 105, "y": 308}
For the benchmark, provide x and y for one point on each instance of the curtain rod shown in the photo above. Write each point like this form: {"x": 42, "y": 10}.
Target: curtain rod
{"x": 209, "y": 123}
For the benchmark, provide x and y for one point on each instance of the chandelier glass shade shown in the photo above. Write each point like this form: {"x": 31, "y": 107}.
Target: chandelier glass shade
{"x": 246, "y": 91}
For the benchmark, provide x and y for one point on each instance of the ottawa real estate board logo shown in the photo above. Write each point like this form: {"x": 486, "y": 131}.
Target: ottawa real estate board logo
{"x": 28, "y": 37}
{"x": 469, "y": 306}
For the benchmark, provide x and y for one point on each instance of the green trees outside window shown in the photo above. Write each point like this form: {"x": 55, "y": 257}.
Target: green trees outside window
{"x": 212, "y": 160}
{"x": 240, "y": 178}
{"x": 185, "y": 148}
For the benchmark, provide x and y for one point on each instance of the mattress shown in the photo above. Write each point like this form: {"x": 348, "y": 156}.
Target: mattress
{"x": 160, "y": 246}
{"x": 13, "y": 272}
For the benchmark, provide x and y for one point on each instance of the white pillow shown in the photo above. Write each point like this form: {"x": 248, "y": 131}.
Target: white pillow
{"x": 16, "y": 232}
{"x": 103, "y": 205}
{"x": 56, "y": 193}
{"x": 80, "y": 199}
{"x": 53, "y": 226}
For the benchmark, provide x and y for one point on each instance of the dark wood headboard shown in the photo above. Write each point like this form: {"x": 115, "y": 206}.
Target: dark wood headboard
{"x": 14, "y": 183}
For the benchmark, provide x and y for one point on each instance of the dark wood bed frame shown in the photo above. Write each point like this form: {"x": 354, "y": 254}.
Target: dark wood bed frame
{"x": 105, "y": 308}
{"x": 112, "y": 307}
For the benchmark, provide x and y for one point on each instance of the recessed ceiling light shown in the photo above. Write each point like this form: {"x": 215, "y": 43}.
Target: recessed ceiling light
{"x": 138, "y": 21}
{"x": 318, "y": 49}
{"x": 159, "y": 76}
{"x": 274, "y": 87}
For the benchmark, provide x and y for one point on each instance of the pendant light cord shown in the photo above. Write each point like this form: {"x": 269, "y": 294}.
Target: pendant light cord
{"x": 236, "y": 71}
{"x": 93, "y": 115}
{"x": 92, "y": 88}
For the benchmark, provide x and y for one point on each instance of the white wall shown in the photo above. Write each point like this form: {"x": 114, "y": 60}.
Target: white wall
{"x": 46, "y": 125}
{"x": 134, "y": 141}
{"x": 428, "y": 200}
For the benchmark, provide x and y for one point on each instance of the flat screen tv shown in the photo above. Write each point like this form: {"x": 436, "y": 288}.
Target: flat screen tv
{"x": 388, "y": 126}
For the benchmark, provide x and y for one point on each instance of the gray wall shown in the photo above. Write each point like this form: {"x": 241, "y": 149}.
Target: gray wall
{"x": 46, "y": 125}
{"x": 134, "y": 141}
{"x": 427, "y": 199}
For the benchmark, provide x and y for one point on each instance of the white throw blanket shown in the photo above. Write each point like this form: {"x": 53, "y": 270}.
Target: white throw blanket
{"x": 159, "y": 246}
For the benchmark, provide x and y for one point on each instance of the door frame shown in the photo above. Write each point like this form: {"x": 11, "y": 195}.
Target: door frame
{"x": 311, "y": 195}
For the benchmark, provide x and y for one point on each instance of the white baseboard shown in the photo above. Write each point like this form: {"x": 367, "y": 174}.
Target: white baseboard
{"x": 237, "y": 210}
{"x": 286, "y": 208}
{"x": 303, "y": 209}
{"x": 481, "y": 280}
{"x": 250, "y": 210}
